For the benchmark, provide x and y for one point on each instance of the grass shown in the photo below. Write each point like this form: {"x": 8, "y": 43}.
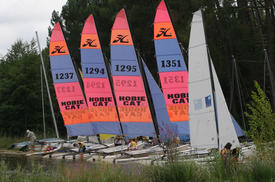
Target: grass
{"x": 258, "y": 168}
{"x": 252, "y": 171}
{"x": 82, "y": 173}
{"x": 7, "y": 141}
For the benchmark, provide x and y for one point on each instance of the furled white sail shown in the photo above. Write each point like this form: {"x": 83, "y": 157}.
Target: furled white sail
{"x": 227, "y": 132}
{"x": 203, "y": 133}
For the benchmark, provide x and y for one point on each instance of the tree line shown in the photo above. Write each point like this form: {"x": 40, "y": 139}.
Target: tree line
{"x": 244, "y": 29}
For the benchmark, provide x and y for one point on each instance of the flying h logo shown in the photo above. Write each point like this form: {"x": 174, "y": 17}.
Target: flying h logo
{"x": 58, "y": 48}
{"x": 120, "y": 39}
{"x": 90, "y": 43}
{"x": 163, "y": 32}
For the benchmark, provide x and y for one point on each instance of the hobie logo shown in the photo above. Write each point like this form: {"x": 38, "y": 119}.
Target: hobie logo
{"x": 121, "y": 39}
{"x": 90, "y": 43}
{"x": 164, "y": 32}
{"x": 58, "y": 48}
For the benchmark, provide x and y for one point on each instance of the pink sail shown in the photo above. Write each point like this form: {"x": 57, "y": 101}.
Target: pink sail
{"x": 99, "y": 96}
{"x": 172, "y": 71}
{"x": 67, "y": 88}
{"x": 132, "y": 101}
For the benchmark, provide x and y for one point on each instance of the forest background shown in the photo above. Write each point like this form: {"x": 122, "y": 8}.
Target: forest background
{"x": 243, "y": 29}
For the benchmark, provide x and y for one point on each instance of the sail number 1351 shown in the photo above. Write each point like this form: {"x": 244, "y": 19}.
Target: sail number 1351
{"x": 170, "y": 63}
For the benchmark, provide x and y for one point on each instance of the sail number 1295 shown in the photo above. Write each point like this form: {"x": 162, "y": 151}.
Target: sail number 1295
{"x": 126, "y": 68}
{"x": 170, "y": 63}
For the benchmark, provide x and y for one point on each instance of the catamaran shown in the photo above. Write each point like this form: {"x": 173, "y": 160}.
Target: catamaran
{"x": 211, "y": 124}
{"x": 172, "y": 71}
{"x": 70, "y": 98}
{"x": 101, "y": 105}
{"x": 134, "y": 107}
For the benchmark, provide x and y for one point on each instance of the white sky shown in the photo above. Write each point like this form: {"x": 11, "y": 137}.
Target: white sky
{"x": 19, "y": 19}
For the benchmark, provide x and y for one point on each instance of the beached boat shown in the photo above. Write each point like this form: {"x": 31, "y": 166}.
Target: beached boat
{"x": 46, "y": 150}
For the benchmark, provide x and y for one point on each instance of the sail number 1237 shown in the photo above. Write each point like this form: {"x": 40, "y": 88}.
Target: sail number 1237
{"x": 62, "y": 76}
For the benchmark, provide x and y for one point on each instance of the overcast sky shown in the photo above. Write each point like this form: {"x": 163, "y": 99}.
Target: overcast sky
{"x": 19, "y": 19}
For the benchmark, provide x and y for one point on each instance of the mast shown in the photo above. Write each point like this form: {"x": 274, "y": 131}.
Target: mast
{"x": 47, "y": 86}
{"x": 107, "y": 64}
{"x": 42, "y": 101}
{"x": 212, "y": 86}
{"x": 149, "y": 96}
{"x": 266, "y": 59}
{"x": 239, "y": 91}
{"x": 146, "y": 88}
{"x": 213, "y": 96}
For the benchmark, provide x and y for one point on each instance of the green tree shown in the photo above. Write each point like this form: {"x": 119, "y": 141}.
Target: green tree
{"x": 20, "y": 94}
{"x": 261, "y": 118}
{"x": 19, "y": 49}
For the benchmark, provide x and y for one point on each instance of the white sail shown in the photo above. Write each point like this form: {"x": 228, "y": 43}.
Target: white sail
{"x": 203, "y": 133}
{"x": 227, "y": 132}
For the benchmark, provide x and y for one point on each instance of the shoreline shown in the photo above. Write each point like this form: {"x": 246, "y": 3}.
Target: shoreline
{"x": 12, "y": 152}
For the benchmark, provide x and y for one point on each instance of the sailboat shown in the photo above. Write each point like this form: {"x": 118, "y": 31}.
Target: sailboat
{"x": 101, "y": 105}
{"x": 173, "y": 72}
{"x": 211, "y": 124}
{"x": 138, "y": 115}
{"x": 70, "y": 98}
